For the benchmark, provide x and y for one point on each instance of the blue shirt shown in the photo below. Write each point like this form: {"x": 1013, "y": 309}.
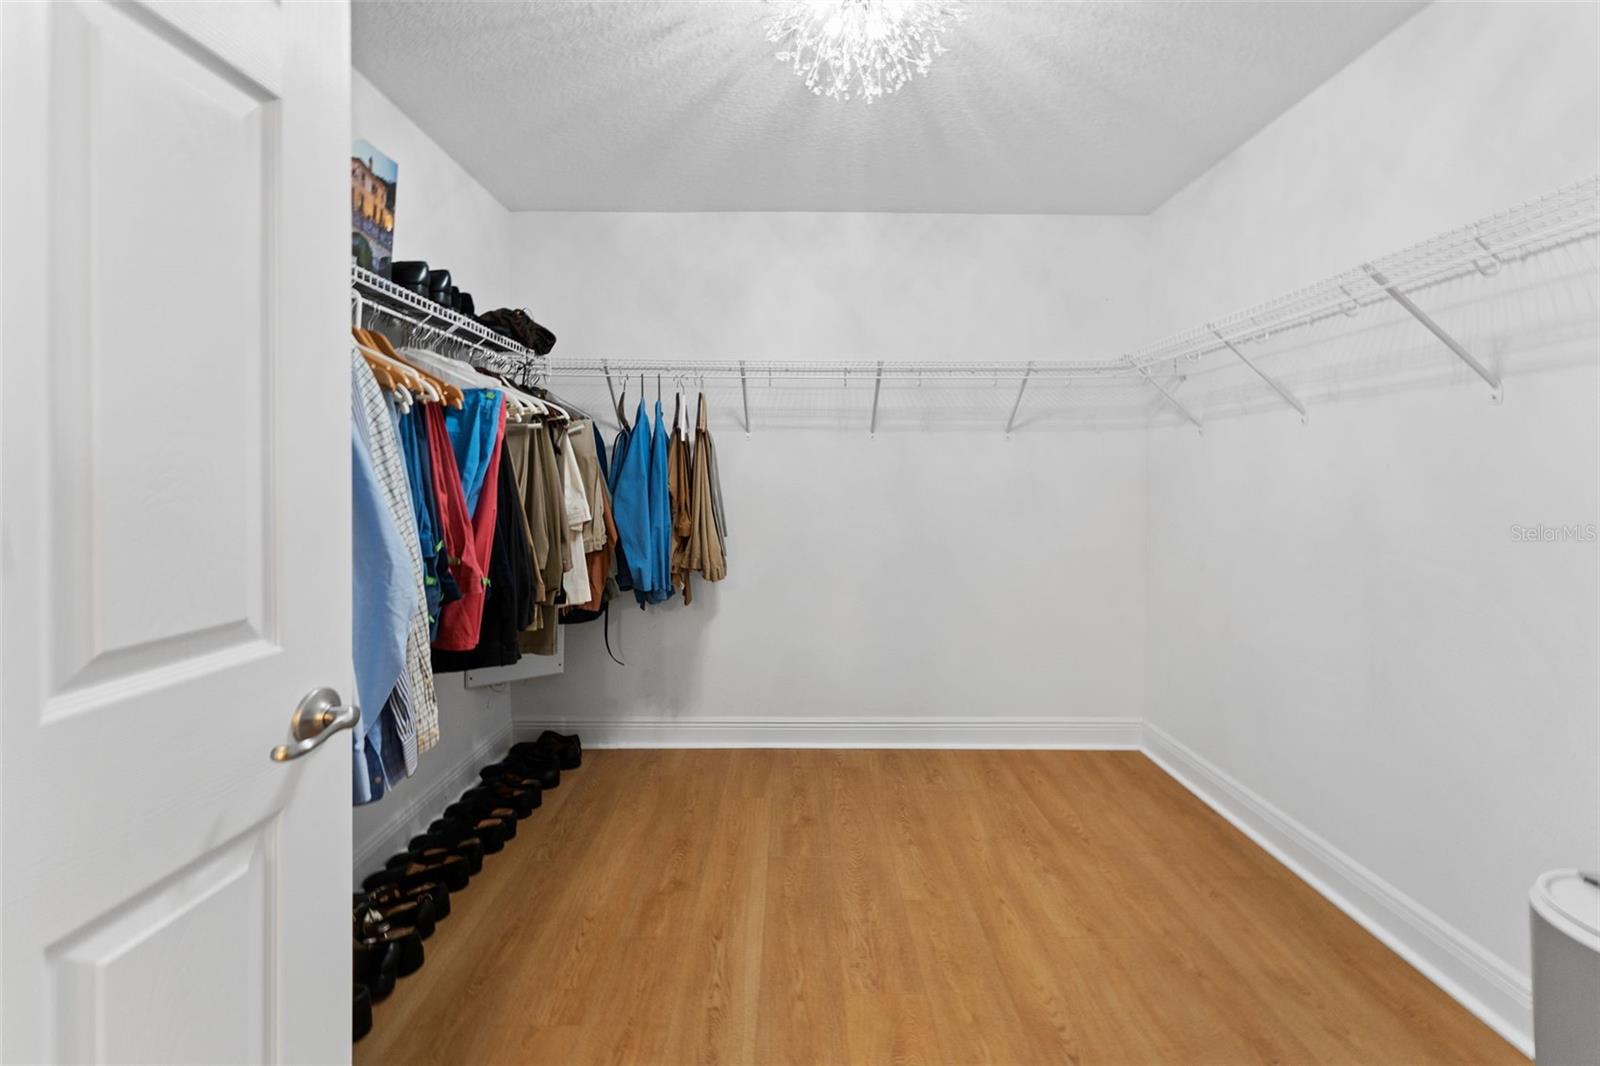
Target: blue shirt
{"x": 630, "y": 504}
{"x": 384, "y": 595}
{"x": 419, "y": 477}
{"x": 474, "y": 431}
{"x": 660, "y": 589}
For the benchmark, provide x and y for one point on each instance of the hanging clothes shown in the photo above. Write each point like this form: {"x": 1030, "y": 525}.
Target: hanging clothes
{"x": 678, "y": 460}
{"x": 660, "y": 589}
{"x": 508, "y": 605}
{"x": 475, "y": 433}
{"x": 468, "y": 624}
{"x": 430, "y": 542}
{"x": 412, "y": 708}
{"x": 575, "y": 579}
{"x": 457, "y": 627}
{"x": 630, "y": 496}
{"x": 600, "y": 534}
{"x": 582, "y": 439}
{"x": 619, "y": 452}
{"x": 716, "y": 484}
{"x": 541, "y": 536}
{"x": 707, "y": 553}
{"x": 383, "y": 603}
{"x": 544, "y": 482}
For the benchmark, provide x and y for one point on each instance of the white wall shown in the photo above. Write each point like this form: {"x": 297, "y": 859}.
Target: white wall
{"x": 1335, "y": 618}
{"x": 927, "y": 574}
{"x": 442, "y": 214}
{"x": 1340, "y": 619}
{"x": 445, "y": 217}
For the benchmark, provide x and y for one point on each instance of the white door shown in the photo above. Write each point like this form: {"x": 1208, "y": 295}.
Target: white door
{"x": 174, "y": 530}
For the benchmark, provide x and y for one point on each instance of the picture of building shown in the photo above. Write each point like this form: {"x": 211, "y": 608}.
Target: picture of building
{"x": 373, "y": 177}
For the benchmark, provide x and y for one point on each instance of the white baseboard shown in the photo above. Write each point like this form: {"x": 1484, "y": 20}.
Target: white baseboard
{"x": 415, "y": 808}
{"x": 1477, "y": 979}
{"x": 1096, "y": 733}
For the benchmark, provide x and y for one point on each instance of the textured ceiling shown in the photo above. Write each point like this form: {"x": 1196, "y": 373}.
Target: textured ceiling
{"x": 1039, "y": 107}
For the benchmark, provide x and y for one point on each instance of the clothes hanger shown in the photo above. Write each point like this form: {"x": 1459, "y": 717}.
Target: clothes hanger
{"x": 387, "y": 373}
{"x": 391, "y": 382}
{"x": 413, "y": 379}
{"x": 373, "y": 347}
{"x": 450, "y": 392}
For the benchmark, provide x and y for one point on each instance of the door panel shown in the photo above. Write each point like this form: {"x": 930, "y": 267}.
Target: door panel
{"x": 174, "y": 545}
{"x": 190, "y": 191}
{"x": 101, "y": 1010}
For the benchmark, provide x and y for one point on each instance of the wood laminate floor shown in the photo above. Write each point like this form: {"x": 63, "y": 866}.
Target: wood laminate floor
{"x": 815, "y": 907}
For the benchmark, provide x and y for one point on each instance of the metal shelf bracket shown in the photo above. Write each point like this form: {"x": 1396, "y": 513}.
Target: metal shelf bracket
{"x": 877, "y": 385}
{"x": 1173, "y": 400}
{"x": 1017, "y": 405}
{"x": 1277, "y": 386}
{"x": 1496, "y": 390}
{"x": 744, "y": 393}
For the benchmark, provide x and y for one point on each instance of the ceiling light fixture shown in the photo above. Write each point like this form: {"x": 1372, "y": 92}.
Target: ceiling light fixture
{"x": 861, "y": 48}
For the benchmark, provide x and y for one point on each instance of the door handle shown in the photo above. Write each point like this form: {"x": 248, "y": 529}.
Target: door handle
{"x": 318, "y": 717}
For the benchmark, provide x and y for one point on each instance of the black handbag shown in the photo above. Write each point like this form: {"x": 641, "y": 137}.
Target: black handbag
{"x": 514, "y": 323}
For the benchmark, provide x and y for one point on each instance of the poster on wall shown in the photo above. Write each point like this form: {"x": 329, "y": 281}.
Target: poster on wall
{"x": 373, "y": 177}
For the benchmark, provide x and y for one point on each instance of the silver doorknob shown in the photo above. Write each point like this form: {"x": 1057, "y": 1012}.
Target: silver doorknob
{"x": 318, "y": 717}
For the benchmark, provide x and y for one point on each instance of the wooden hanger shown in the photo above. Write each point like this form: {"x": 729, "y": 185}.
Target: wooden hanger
{"x": 449, "y": 393}
{"x": 396, "y": 376}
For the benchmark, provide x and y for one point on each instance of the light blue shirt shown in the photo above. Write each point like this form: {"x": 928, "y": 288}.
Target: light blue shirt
{"x": 630, "y": 506}
{"x": 384, "y": 596}
{"x": 660, "y": 513}
{"x": 474, "y": 434}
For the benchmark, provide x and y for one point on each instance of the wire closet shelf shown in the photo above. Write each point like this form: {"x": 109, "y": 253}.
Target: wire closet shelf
{"x": 480, "y": 346}
{"x": 1557, "y": 219}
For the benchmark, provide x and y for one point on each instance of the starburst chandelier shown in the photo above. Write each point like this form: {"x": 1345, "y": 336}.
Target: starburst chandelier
{"x": 860, "y": 48}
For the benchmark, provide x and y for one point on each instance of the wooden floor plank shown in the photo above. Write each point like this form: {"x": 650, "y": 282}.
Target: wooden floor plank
{"x": 818, "y": 907}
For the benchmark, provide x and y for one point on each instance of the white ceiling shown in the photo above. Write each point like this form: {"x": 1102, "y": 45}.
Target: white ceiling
{"x": 1040, "y": 107}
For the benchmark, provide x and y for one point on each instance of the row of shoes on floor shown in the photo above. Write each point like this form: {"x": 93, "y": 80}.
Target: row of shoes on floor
{"x": 402, "y": 904}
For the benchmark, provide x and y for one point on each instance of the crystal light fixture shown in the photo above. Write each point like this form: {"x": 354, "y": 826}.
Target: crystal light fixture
{"x": 862, "y": 48}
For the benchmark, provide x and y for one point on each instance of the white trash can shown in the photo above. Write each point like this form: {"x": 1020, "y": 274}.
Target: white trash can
{"x": 1566, "y": 968}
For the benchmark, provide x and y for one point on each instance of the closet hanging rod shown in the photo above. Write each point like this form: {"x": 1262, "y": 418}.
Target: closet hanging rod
{"x": 1555, "y": 220}
{"x": 849, "y": 372}
{"x": 369, "y": 291}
